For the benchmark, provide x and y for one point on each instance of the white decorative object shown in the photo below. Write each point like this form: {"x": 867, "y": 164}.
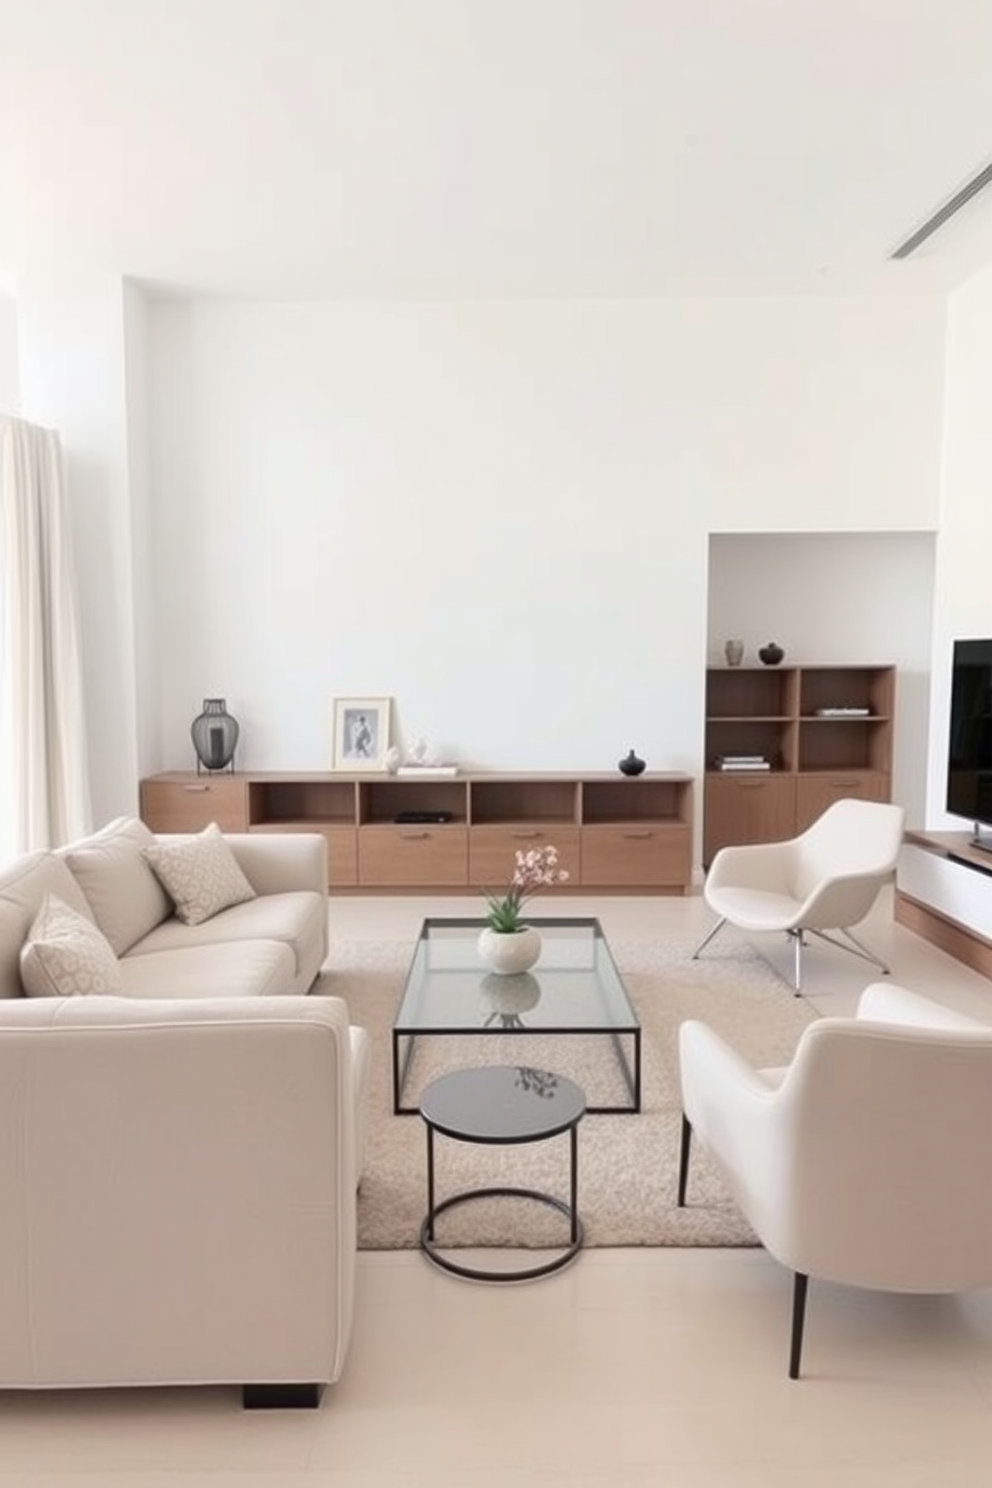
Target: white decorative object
{"x": 417, "y": 754}
{"x": 509, "y": 952}
{"x": 391, "y": 759}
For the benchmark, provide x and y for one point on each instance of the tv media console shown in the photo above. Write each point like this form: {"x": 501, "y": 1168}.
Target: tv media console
{"x": 944, "y": 894}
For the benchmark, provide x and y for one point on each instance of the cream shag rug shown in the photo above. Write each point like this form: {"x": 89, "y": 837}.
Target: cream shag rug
{"x": 627, "y": 1163}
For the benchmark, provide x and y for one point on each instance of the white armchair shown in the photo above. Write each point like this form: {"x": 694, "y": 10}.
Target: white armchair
{"x": 866, "y": 1160}
{"x": 824, "y": 880}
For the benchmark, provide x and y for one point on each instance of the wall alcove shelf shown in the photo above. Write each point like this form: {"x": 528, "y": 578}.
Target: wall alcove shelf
{"x": 611, "y": 832}
{"x": 822, "y": 733}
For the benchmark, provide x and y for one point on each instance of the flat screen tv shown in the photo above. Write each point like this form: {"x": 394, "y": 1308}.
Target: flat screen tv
{"x": 969, "y": 751}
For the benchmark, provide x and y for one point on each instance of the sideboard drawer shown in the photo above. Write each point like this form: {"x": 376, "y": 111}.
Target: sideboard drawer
{"x": 492, "y": 851}
{"x": 814, "y": 793}
{"x": 413, "y": 856}
{"x": 635, "y": 853}
{"x": 191, "y": 805}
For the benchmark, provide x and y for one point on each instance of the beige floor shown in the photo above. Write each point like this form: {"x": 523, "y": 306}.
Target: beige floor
{"x": 630, "y": 1369}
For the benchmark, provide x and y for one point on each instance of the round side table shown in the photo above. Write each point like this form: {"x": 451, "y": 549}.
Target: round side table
{"x": 502, "y": 1105}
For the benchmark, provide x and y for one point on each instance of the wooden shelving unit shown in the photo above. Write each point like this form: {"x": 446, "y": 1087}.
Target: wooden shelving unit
{"x": 611, "y": 832}
{"x": 825, "y": 730}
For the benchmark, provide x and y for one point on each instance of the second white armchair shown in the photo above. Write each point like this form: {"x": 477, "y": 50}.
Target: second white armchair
{"x": 819, "y": 883}
{"x": 866, "y": 1161}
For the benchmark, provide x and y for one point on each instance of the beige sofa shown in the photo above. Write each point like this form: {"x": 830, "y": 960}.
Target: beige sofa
{"x": 179, "y": 1159}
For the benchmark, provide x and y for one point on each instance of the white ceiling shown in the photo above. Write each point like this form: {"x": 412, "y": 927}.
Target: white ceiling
{"x": 479, "y": 148}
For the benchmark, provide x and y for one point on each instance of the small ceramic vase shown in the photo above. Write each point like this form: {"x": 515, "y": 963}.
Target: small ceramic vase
{"x": 632, "y": 764}
{"x": 734, "y": 652}
{"x": 771, "y": 654}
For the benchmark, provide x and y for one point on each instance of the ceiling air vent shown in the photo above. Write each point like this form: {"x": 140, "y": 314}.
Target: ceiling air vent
{"x": 945, "y": 213}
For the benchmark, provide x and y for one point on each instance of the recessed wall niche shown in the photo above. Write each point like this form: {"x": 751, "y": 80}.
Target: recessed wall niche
{"x": 836, "y": 597}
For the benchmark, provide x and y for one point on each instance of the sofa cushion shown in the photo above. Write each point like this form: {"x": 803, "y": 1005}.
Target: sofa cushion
{"x": 125, "y": 896}
{"x": 246, "y": 968}
{"x": 23, "y": 886}
{"x": 200, "y": 874}
{"x": 66, "y": 955}
{"x": 299, "y": 918}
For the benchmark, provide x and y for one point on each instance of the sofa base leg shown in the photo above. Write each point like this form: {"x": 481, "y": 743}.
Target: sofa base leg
{"x": 281, "y": 1397}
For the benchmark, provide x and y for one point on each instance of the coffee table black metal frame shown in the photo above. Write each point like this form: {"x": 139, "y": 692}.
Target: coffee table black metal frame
{"x": 502, "y": 1105}
{"x": 440, "y": 1021}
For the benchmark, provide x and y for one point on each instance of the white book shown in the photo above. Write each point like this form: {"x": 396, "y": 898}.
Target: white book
{"x": 427, "y": 772}
{"x": 730, "y": 766}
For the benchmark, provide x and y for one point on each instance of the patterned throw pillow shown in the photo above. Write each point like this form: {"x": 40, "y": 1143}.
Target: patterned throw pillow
{"x": 65, "y": 955}
{"x": 200, "y": 874}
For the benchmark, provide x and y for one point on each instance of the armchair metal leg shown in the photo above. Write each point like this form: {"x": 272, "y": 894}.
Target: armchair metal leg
{"x": 684, "y": 1145}
{"x": 799, "y": 1287}
{"x": 707, "y": 938}
{"x": 798, "y": 941}
{"x": 856, "y": 948}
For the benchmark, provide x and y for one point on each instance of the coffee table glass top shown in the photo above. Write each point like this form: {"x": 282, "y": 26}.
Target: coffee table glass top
{"x": 575, "y": 986}
{"x": 574, "y": 996}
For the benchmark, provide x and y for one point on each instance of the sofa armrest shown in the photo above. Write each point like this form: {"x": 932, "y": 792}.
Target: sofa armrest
{"x": 277, "y": 862}
{"x": 187, "y": 1166}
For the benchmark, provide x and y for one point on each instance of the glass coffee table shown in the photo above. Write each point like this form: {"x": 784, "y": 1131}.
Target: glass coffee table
{"x": 569, "y": 1012}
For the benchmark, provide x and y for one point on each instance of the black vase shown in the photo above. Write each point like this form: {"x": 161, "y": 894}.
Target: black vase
{"x": 631, "y": 764}
{"x": 771, "y": 654}
{"x": 215, "y": 736}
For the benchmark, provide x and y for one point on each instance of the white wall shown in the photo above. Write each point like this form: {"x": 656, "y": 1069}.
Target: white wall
{"x": 964, "y": 548}
{"x": 827, "y": 597}
{"x": 10, "y": 382}
{"x": 499, "y": 514}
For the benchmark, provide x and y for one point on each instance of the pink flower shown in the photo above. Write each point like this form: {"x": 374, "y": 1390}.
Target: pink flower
{"x": 536, "y": 868}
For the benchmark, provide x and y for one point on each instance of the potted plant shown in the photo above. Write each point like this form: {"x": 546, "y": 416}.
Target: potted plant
{"x": 507, "y": 944}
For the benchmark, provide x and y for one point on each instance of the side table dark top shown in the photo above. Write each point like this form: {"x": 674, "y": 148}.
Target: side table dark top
{"x": 502, "y": 1104}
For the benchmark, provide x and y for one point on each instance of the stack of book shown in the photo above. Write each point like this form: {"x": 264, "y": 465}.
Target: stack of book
{"x": 742, "y": 762}
{"x": 426, "y": 771}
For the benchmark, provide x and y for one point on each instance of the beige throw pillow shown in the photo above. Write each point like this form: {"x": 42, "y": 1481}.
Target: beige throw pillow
{"x": 66, "y": 955}
{"x": 126, "y": 898}
{"x": 201, "y": 874}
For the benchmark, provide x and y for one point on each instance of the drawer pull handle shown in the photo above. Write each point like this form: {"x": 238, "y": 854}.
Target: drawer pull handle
{"x": 527, "y": 836}
{"x": 194, "y": 790}
{"x": 413, "y": 836}
{"x": 639, "y": 835}
{"x": 847, "y": 784}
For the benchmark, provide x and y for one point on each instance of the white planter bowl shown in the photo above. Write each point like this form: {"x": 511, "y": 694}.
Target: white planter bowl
{"x": 508, "y": 954}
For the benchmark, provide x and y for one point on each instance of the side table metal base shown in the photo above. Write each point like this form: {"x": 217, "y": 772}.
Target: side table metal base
{"x": 527, "y": 1273}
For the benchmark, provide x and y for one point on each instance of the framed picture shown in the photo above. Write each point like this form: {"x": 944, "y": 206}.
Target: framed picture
{"x": 361, "y": 733}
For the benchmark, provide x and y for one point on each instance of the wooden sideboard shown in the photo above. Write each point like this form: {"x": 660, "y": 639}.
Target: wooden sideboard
{"x": 944, "y": 894}
{"x": 612, "y": 832}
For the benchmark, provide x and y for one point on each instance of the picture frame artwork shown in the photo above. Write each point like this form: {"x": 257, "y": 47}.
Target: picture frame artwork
{"x": 360, "y": 733}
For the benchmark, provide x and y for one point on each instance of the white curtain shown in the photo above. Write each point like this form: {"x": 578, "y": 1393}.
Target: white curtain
{"x": 44, "y": 778}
